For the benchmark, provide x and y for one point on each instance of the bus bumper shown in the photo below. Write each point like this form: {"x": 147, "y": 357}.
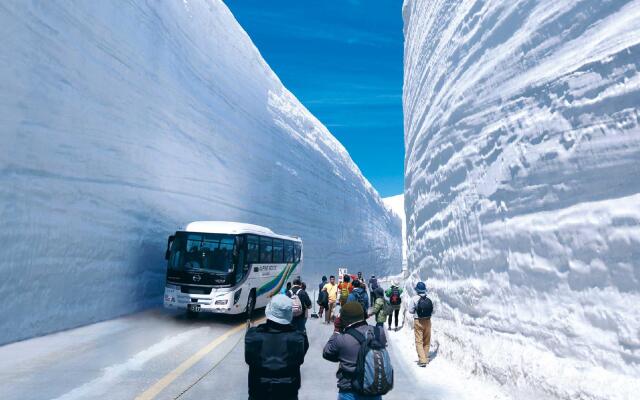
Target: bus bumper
{"x": 216, "y": 302}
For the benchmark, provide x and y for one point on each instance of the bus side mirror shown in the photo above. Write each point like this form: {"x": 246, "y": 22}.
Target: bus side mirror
{"x": 167, "y": 254}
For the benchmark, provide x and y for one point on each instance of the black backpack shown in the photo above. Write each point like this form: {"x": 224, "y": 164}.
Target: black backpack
{"x": 374, "y": 373}
{"x": 373, "y": 283}
{"x": 424, "y": 307}
{"x": 359, "y": 295}
{"x": 323, "y": 298}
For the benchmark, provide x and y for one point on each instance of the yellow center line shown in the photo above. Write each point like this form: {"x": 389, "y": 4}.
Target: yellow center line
{"x": 159, "y": 386}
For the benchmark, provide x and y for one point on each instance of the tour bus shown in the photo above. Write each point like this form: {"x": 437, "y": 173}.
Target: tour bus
{"x": 228, "y": 267}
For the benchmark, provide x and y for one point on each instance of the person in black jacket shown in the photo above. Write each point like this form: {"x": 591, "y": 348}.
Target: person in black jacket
{"x": 300, "y": 321}
{"x": 274, "y": 352}
{"x": 321, "y": 303}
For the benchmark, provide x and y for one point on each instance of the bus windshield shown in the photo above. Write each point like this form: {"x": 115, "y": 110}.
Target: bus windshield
{"x": 209, "y": 252}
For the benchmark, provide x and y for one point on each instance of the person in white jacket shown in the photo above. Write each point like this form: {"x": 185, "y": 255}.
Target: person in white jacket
{"x": 422, "y": 307}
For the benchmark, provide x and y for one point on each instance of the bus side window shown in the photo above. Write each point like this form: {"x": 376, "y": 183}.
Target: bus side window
{"x": 253, "y": 249}
{"x": 278, "y": 249}
{"x": 266, "y": 249}
{"x": 288, "y": 251}
{"x": 298, "y": 251}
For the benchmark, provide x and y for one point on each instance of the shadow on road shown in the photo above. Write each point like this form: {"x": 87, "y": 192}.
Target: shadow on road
{"x": 203, "y": 319}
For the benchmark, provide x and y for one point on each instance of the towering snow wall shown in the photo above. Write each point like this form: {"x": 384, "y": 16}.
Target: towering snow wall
{"x": 522, "y": 187}
{"x": 122, "y": 121}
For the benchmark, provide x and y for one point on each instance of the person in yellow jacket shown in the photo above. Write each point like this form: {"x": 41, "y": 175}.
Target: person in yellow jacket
{"x": 332, "y": 291}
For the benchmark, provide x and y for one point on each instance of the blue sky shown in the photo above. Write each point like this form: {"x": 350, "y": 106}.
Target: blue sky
{"x": 343, "y": 60}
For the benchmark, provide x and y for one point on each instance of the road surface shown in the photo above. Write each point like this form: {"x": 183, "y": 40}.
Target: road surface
{"x": 161, "y": 355}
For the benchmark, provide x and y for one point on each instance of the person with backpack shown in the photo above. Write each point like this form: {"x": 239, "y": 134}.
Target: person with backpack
{"x": 394, "y": 293}
{"x": 422, "y": 307}
{"x": 380, "y": 307}
{"x": 332, "y": 294}
{"x": 301, "y": 303}
{"x": 344, "y": 289}
{"x": 321, "y": 305}
{"x": 274, "y": 352}
{"x": 373, "y": 285}
{"x": 365, "y": 371}
{"x": 360, "y": 295}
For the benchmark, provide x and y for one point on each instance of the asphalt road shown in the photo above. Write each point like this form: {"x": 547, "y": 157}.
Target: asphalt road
{"x": 160, "y": 355}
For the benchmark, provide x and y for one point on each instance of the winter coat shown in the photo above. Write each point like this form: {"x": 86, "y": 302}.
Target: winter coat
{"x": 360, "y": 295}
{"x": 274, "y": 353}
{"x": 378, "y": 310}
{"x": 343, "y": 348}
{"x": 388, "y": 294}
{"x": 304, "y": 299}
{"x": 414, "y": 303}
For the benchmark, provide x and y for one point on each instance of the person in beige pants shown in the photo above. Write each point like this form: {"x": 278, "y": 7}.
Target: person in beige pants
{"x": 332, "y": 290}
{"x": 421, "y": 307}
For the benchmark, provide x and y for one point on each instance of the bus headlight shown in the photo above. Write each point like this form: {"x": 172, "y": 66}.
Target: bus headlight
{"x": 170, "y": 299}
{"x": 222, "y": 302}
{"x": 236, "y": 296}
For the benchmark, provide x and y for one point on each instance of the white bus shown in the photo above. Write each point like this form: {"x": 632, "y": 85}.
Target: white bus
{"x": 228, "y": 267}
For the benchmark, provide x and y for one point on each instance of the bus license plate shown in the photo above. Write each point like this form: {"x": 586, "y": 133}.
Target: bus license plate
{"x": 194, "y": 307}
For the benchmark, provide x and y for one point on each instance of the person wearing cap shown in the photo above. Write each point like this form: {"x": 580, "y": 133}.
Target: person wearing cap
{"x": 343, "y": 348}
{"x": 421, "y": 308}
{"x": 274, "y": 352}
{"x": 379, "y": 309}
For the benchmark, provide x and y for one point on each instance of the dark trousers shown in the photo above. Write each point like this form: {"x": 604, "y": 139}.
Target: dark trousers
{"x": 300, "y": 323}
{"x": 396, "y": 312}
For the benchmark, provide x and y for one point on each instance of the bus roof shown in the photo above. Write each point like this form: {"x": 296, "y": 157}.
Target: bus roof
{"x": 234, "y": 228}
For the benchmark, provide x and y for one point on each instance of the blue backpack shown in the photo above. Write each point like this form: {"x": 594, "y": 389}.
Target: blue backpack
{"x": 374, "y": 373}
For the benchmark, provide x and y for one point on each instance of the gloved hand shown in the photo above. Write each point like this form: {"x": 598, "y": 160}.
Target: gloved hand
{"x": 337, "y": 325}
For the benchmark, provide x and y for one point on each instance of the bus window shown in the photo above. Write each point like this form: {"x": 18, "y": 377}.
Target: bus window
{"x": 240, "y": 254}
{"x": 217, "y": 253}
{"x": 288, "y": 251}
{"x": 266, "y": 249}
{"x": 298, "y": 251}
{"x": 207, "y": 251}
{"x": 253, "y": 249}
{"x": 278, "y": 250}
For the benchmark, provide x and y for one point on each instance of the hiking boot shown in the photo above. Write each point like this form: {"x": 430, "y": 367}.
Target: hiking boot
{"x": 422, "y": 365}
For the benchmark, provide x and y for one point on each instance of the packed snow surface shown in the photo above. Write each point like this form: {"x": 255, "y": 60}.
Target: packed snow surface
{"x": 122, "y": 121}
{"x": 396, "y": 204}
{"x": 522, "y": 188}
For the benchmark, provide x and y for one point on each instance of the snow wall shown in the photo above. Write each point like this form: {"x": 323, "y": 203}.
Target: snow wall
{"x": 122, "y": 121}
{"x": 522, "y": 188}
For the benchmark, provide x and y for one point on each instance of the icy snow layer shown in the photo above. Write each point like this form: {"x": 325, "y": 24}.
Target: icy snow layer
{"x": 396, "y": 204}
{"x": 122, "y": 121}
{"x": 522, "y": 187}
